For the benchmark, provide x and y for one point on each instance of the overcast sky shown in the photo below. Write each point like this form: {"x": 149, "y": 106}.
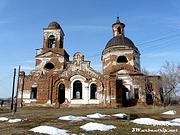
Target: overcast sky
{"x": 153, "y": 26}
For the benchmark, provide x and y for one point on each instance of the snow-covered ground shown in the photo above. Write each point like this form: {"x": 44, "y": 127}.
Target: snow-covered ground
{"x": 97, "y": 126}
{"x": 14, "y": 120}
{"x": 80, "y": 118}
{"x": 97, "y": 116}
{"x": 10, "y": 120}
{"x": 49, "y": 130}
{"x": 3, "y": 119}
{"x": 120, "y": 115}
{"x": 170, "y": 112}
{"x": 72, "y": 118}
{"x": 149, "y": 121}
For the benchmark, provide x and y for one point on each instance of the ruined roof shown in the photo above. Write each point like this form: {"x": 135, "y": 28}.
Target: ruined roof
{"x": 120, "y": 41}
{"x": 54, "y": 25}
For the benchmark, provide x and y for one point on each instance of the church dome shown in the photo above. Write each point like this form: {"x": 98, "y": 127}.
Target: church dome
{"x": 119, "y": 41}
{"x": 54, "y": 25}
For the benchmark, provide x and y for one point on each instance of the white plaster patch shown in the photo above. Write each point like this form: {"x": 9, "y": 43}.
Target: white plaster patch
{"x": 42, "y": 64}
{"x": 77, "y": 77}
{"x": 26, "y": 94}
{"x": 48, "y": 102}
{"x": 117, "y": 53}
{"x": 61, "y": 59}
{"x": 28, "y": 101}
{"x": 114, "y": 63}
{"x": 55, "y": 32}
{"x": 39, "y": 51}
{"x": 131, "y": 62}
{"x": 105, "y": 66}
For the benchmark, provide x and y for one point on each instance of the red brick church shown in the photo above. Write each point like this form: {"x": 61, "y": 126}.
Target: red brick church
{"x": 57, "y": 80}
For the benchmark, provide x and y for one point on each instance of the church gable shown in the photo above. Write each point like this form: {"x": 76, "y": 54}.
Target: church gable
{"x": 79, "y": 66}
{"x": 48, "y": 53}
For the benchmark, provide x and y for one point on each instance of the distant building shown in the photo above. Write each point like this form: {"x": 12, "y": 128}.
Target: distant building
{"x": 56, "y": 80}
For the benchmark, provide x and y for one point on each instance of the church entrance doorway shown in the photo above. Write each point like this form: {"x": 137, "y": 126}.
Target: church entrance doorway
{"x": 61, "y": 94}
{"x": 121, "y": 93}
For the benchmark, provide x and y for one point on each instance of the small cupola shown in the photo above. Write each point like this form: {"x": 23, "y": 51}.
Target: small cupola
{"x": 118, "y": 28}
{"x": 53, "y": 36}
{"x": 54, "y": 25}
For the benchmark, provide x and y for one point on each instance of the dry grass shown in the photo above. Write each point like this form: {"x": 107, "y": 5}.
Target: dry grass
{"x": 49, "y": 116}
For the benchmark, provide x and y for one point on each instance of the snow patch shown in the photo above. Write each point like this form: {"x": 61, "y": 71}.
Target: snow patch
{"x": 170, "y": 112}
{"x": 97, "y": 116}
{"x": 120, "y": 115}
{"x": 177, "y": 120}
{"x": 149, "y": 121}
{"x": 3, "y": 119}
{"x": 49, "y": 130}
{"x": 14, "y": 120}
{"x": 72, "y": 118}
{"x": 97, "y": 126}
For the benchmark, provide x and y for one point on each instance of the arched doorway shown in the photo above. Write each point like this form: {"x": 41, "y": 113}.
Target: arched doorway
{"x": 61, "y": 94}
{"x": 125, "y": 96}
{"x": 121, "y": 93}
{"x": 149, "y": 99}
{"x": 93, "y": 91}
{"x": 149, "y": 93}
{"x": 77, "y": 90}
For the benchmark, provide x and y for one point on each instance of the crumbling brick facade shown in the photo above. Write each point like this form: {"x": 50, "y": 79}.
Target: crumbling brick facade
{"x": 56, "y": 80}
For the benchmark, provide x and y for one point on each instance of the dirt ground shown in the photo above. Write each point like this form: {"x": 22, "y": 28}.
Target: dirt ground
{"x": 36, "y": 116}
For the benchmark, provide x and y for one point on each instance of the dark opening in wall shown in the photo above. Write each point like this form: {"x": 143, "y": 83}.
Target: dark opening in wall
{"x": 136, "y": 93}
{"x": 52, "y": 41}
{"x": 119, "y": 30}
{"x": 161, "y": 95}
{"x": 33, "y": 93}
{"x": 122, "y": 59}
{"x": 93, "y": 90}
{"x": 149, "y": 93}
{"x": 61, "y": 94}
{"x": 49, "y": 66}
{"x": 77, "y": 90}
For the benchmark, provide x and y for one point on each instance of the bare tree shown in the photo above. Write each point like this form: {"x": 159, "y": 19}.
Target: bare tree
{"x": 147, "y": 72}
{"x": 170, "y": 74}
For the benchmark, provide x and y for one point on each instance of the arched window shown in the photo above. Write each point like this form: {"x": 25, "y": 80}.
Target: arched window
{"x": 77, "y": 90}
{"x": 119, "y": 30}
{"x": 51, "y": 42}
{"x": 93, "y": 91}
{"x": 122, "y": 59}
{"x": 49, "y": 66}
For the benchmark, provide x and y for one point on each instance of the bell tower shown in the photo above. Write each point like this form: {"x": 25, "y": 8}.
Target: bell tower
{"x": 118, "y": 28}
{"x": 52, "y": 57}
{"x": 53, "y": 36}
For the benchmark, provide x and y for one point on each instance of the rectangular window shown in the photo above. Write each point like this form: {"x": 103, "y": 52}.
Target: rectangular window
{"x": 136, "y": 93}
{"x": 33, "y": 93}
